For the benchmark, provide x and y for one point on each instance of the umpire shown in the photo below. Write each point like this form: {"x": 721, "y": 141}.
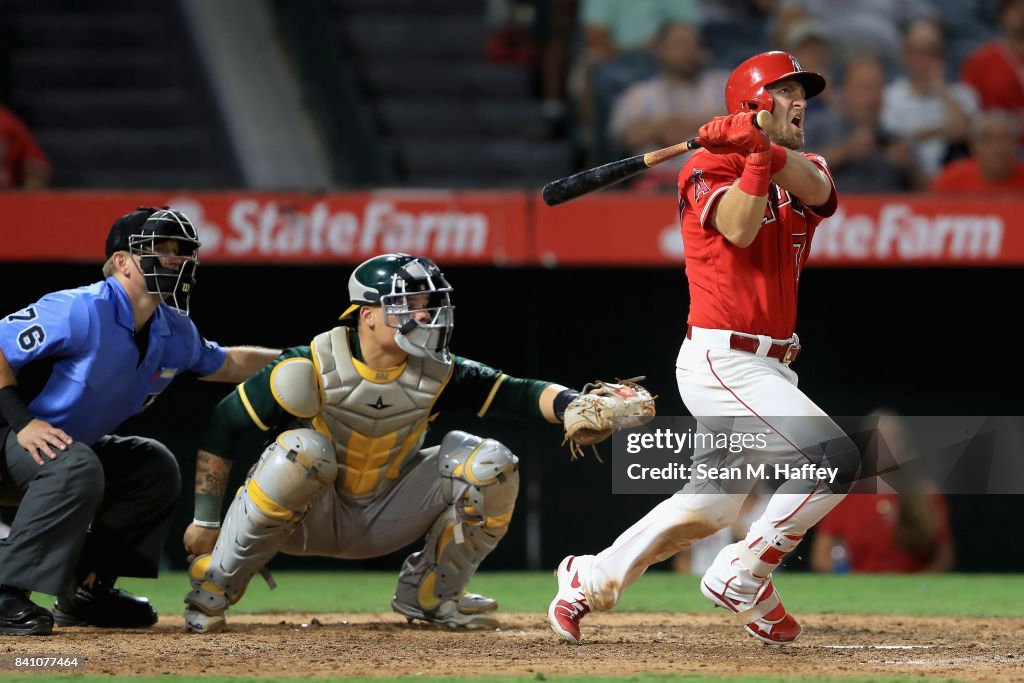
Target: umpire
{"x": 93, "y": 506}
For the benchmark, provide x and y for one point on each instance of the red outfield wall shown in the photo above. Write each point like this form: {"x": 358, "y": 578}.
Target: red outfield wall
{"x": 501, "y": 228}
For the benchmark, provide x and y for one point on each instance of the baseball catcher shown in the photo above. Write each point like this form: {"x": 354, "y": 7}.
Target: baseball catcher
{"x": 345, "y": 474}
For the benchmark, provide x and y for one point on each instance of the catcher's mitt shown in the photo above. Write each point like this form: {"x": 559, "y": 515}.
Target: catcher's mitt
{"x": 592, "y": 416}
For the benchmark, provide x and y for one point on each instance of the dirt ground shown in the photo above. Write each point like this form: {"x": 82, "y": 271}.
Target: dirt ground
{"x": 615, "y": 644}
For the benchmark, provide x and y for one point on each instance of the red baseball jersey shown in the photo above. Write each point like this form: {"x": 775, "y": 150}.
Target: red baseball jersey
{"x": 18, "y": 149}
{"x": 750, "y": 289}
{"x": 867, "y": 524}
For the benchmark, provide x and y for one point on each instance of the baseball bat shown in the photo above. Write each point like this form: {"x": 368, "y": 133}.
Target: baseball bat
{"x": 565, "y": 189}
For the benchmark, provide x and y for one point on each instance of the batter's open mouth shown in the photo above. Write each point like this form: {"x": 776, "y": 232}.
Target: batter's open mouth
{"x": 797, "y": 121}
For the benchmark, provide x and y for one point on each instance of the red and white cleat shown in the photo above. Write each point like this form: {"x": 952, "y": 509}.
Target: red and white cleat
{"x": 754, "y": 602}
{"x": 570, "y": 604}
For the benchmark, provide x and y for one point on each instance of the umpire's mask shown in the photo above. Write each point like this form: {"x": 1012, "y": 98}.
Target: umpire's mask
{"x": 168, "y": 270}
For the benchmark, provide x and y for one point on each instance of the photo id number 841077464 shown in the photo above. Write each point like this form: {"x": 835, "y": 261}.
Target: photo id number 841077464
{"x": 14, "y": 661}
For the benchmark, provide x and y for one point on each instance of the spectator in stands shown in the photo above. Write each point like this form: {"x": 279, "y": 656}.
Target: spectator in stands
{"x": 994, "y": 164}
{"x": 863, "y": 157}
{"x": 554, "y": 26}
{"x": 995, "y": 70}
{"x": 618, "y": 39}
{"x": 932, "y": 113}
{"x": 612, "y": 26}
{"x": 865, "y": 26}
{"x": 25, "y": 165}
{"x": 810, "y": 42}
{"x": 886, "y": 532}
{"x": 669, "y": 107}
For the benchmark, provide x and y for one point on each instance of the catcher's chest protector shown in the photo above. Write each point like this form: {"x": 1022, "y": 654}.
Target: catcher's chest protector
{"x": 375, "y": 418}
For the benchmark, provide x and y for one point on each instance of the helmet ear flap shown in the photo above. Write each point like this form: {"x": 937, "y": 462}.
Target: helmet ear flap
{"x": 762, "y": 100}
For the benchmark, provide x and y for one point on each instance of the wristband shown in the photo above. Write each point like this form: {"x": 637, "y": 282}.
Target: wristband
{"x": 756, "y": 175}
{"x": 13, "y": 409}
{"x": 207, "y": 510}
{"x": 779, "y": 158}
{"x": 562, "y": 401}
{"x": 206, "y": 525}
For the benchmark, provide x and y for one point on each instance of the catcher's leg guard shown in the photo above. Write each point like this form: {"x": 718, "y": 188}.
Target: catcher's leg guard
{"x": 432, "y": 582}
{"x": 297, "y": 467}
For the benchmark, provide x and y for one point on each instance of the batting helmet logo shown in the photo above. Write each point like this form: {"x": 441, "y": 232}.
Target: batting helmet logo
{"x": 745, "y": 89}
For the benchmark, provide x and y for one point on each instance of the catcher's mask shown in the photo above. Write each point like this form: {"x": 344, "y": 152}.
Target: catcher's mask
{"x": 153, "y": 234}
{"x": 389, "y": 280}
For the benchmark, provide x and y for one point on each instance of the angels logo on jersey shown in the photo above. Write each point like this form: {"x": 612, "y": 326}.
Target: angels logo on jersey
{"x": 700, "y": 186}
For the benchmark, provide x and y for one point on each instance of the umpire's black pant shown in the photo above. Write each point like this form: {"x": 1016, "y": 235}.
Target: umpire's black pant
{"x": 105, "y": 509}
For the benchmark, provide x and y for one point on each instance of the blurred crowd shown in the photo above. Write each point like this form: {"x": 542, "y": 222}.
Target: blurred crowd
{"x": 923, "y": 94}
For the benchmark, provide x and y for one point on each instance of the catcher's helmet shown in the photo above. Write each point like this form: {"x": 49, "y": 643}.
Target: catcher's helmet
{"x": 168, "y": 274}
{"x": 745, "y": 89}
{"x": 386, "y": 280}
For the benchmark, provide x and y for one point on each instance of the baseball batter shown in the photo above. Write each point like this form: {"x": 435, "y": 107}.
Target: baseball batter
{"x": 346, "y": 476}
{"x": 749, "y": 204}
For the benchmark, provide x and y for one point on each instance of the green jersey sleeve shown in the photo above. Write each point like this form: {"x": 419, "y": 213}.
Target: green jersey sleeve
{"x": 249, "y": 410}
{"x": 489, "y": 392}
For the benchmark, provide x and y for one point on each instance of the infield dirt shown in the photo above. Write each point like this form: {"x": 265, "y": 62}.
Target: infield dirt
{"x": 615, "y": 644}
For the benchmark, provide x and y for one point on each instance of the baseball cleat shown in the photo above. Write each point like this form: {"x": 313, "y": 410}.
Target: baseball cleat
{"x": 570, "y": 604}
{"x": 197, "y": 621}
{"x": 472, "y": 611}
{"x": 754, "y": 602}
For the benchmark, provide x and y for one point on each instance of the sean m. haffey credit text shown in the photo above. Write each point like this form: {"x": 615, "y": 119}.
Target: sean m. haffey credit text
{"x": 667, "y": 440}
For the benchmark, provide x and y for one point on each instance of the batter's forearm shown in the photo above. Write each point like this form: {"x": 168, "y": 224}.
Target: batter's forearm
{"x": 804, "y": 179}
{"x": 738, "y": 216}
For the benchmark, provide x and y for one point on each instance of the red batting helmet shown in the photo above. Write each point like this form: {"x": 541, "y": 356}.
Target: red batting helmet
{"x": 745, "y": 89}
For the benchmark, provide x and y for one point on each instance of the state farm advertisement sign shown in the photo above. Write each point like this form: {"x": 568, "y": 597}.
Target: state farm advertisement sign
{"x": 499, "y": 228}
{"x": 865, "y": 231}
{"x": 451, "y": 227}
{"x": 920, "y": 232}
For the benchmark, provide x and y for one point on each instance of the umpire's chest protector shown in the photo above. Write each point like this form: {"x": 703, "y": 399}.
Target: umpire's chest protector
{"x": 375, "y": 418}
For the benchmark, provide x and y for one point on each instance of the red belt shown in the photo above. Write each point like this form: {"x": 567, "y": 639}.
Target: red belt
{"x": 785, "y": 353}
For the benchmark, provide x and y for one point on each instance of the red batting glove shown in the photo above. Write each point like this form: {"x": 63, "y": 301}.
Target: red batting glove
{"x": 734, "y": 133}
{"x": 741, "y": 131}
{"x": 712, "y": 136}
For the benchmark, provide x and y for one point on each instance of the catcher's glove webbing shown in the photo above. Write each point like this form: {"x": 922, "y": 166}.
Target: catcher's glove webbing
{"x": 594, "y": 415}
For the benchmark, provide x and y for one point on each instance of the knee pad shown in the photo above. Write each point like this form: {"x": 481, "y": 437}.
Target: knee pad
{"x": 472, "y": 525}
{"x": 292, "y": 471}
{"x": 491, "y": 471}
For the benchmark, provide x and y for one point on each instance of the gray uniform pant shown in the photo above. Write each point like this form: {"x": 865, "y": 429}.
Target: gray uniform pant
{"x": 105, "y": 509}
{"x": 336, "y": 527}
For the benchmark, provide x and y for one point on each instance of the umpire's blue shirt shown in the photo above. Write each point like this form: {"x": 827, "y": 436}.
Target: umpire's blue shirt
{"x": 97, "y": 381}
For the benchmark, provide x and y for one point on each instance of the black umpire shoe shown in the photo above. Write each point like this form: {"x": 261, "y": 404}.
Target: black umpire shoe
{"x": 105, "y": 606}
{"x": 19, "y": 616}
